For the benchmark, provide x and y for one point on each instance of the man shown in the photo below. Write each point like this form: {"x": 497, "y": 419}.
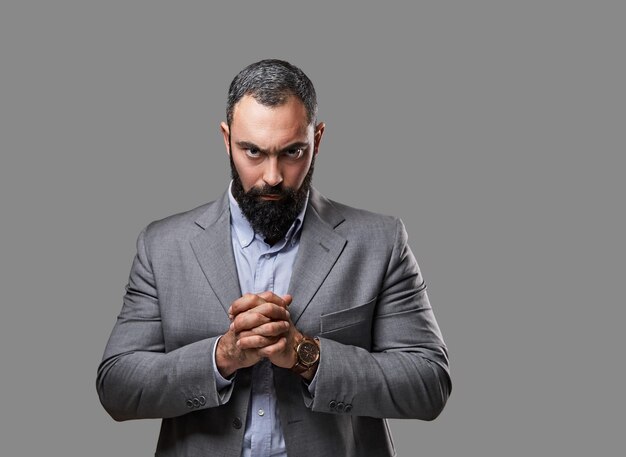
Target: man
{"x": 274, "y": 321}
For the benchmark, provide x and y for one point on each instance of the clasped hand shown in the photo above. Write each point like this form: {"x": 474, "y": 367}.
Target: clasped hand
{"x": 260, "y": 328}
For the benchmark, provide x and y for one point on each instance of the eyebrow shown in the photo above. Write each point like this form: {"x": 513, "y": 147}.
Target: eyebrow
{"x": 249, "y": 145}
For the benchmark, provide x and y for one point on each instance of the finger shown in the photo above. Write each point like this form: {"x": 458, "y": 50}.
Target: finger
{"x": 255, "y": 342}
{"x": 273, "y": 328}
{"x": 271, "y": 350}
{"x": 262, "y": 314}
{"x": 248, "y": 321}
{"x": 244, "y": 303}
{"x": 272, "y": 311}
{"x": 244, "y": 334}
{"x": 276, "y": 299}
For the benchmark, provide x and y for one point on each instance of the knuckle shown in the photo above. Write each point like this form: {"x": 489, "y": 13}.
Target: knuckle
{"x": 271, "y": 310}
{"x": 263, "y": 340}
{"x": 238, "y": 323}
{"x": 260, "y": 319}
{"x": 265, "y": 307}
{"x": 276, "y": 328}
{"x": 245, "y": 343}
{"x": 242, "y": 345}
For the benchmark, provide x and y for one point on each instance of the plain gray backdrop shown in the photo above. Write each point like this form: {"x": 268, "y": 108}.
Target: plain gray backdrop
{"x": 494, "y": 129}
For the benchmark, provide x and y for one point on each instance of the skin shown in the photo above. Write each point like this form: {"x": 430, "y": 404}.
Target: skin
{"x": 270, "y": 146}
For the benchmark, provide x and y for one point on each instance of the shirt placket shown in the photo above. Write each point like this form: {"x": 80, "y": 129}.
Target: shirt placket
{"x": 264, "y": 377}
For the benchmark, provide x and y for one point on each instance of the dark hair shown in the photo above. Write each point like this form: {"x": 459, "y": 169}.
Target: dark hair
{"x": 271, "y": 82}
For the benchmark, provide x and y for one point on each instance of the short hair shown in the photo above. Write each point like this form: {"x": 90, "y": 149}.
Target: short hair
{"x": 271, "y": 82}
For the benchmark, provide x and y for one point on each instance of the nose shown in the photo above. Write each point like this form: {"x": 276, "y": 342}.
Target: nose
{"x": 272, "y": 175}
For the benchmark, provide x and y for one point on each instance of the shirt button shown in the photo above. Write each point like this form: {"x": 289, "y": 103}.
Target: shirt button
{"x": 261, "y": 412}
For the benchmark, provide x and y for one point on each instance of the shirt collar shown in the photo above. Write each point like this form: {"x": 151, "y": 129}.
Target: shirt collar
{"x": 243, "y": 229}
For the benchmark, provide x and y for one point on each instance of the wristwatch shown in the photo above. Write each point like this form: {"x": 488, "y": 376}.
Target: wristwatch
{"x": 307, "y": 355}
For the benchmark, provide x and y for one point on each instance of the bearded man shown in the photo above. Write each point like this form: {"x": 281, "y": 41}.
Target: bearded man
{"x": 273, "y": 321}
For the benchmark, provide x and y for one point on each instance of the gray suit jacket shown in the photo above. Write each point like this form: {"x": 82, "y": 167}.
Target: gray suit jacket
{"x": 355, "y": 284}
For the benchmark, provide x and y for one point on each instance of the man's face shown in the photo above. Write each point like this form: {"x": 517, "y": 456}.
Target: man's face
{"x": 271, "y": 150}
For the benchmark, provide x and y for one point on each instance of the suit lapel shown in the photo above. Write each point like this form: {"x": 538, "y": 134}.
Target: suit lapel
{"x": 320, "y": 247}
{"x": 214, "y": 252}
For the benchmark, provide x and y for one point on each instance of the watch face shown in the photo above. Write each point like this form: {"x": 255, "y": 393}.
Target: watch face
{"x": 308, "y": 353}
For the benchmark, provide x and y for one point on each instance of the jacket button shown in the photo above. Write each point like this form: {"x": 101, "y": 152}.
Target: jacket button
{"x": 237, "y": 423}
{"x": 189, "y": 403}
{"x": 340, "y": 407}
{"x": 332, "y": 404}
{"x": 196, "y": 402}
{"x": 202, "y": 399}
{"x": 348, "y": 408}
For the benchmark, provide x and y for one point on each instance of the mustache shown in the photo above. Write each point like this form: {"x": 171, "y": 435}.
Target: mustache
{"x": 277, "y": 190}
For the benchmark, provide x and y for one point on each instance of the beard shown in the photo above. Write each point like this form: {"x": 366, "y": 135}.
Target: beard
{"x": 271, "y": 218}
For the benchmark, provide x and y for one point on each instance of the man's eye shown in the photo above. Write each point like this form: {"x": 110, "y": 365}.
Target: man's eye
{"x": 295, "y": 153}
{"x": 254, "y": 153}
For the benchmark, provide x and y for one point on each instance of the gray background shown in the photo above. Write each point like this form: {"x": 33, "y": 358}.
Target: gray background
{"x": 495, "y": 130}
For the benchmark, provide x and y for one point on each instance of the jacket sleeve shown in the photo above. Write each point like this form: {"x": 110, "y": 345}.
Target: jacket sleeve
{"x": 406, "y": 373}
{"x": 137, "y": 378}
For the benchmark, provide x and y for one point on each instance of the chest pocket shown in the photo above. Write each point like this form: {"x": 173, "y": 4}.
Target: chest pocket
{"x": 350, "y": 326}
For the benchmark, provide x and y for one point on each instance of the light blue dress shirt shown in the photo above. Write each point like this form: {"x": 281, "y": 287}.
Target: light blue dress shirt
{"x": 262, "y": 267}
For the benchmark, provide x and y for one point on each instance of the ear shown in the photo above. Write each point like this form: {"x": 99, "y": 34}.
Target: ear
{"x": 319, "y": 131}
{"x": 226, "y": 134}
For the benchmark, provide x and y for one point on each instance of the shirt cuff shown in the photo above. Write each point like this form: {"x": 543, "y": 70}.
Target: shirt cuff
{"x": 311, "y": 385}
{"x": 220, "y": 381}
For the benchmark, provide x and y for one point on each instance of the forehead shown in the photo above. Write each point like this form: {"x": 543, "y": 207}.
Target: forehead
{"x": 252, "y": 120}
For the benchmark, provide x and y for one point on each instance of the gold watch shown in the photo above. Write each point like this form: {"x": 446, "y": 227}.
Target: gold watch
{"x": 307, "y": 355}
